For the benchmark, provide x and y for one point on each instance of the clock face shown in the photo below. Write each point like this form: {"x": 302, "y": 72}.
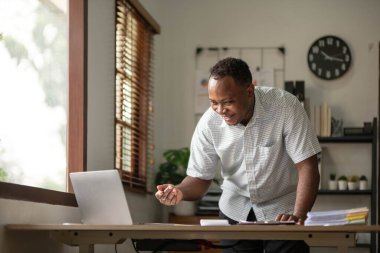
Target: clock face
{"x": 329, "y": 57}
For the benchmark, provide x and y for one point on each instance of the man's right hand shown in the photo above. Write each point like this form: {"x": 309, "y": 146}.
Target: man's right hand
{"x": 168, "y": 194}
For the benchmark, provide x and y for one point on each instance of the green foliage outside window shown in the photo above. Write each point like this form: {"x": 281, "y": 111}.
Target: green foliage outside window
{"x": 3, "y": 175}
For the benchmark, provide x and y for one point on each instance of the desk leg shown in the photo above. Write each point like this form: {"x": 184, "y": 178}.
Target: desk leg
{"x": 73, "y": 238}
{"x": 86, "y": 248}
{"x": 342, "y": 241}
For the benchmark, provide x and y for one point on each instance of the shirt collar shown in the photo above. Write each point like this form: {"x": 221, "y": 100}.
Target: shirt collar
{"x": 258, "y": 110}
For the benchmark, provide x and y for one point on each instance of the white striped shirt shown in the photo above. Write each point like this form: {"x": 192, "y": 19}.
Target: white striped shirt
{"x": 257, "y": 160}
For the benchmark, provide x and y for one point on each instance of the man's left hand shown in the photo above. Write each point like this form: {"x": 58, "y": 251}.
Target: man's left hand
{"x": 290, "y": 217}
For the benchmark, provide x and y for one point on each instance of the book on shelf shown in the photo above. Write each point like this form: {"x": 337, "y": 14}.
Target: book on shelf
{"x": 208, "y": 211}
{"x": 325, "y": 120}
{"x": 212, "y": 195}
{"x": 317, "y": 120}
{"x": 206, "y": 204}
{"x": 214, "y": 191}
{"x": 208, "y": 208}
{"x": 211, "y": 198}
{"x": 337, "y": 217}
{"x": 321, "y": 119}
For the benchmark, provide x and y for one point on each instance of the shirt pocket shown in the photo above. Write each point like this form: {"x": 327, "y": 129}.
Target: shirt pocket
{"x": 267, "y": 157}
{"x": 270, "y": 175}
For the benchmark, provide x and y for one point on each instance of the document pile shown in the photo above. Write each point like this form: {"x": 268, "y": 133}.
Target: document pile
{"x": 214, "y": 222}
{"x": 337, "y": 217}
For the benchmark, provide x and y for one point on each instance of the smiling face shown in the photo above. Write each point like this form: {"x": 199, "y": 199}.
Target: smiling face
{"x": 234, "y": 102}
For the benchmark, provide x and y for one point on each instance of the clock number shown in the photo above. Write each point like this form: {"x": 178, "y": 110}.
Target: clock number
{"x": 347, "y": 58}
{"x": 337, "y": 43}
{"x": 313, "y": 66}
{"x": 311, "y": 57}
{"x": 344, "y": 50}
{"x": 319, "y": 71}
{"x": 343, "y": 67}
{"x": 337, "y": 72}
{"x": 330, "y": 41}
{"x": 328, "y": 74}
{"x": 315, "y": 50}
{"x": 321, "y": 43}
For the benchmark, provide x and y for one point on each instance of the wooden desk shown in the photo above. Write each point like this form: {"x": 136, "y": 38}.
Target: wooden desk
{"x": 86, "y": 236}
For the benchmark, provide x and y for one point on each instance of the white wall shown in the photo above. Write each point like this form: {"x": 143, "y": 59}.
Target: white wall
{"x": 13, "y": 211}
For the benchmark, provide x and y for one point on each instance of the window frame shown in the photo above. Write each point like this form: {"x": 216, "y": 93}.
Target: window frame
{"x": 77, "y": 118}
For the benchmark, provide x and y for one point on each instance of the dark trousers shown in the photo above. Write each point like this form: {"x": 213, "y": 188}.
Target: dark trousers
{"x": 259, "y": 246}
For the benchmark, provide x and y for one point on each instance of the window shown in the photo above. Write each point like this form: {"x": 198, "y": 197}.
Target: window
{"x": 134, "y": 108}
{"x": 33, "y": 59}
{"x": 75, "y": 91}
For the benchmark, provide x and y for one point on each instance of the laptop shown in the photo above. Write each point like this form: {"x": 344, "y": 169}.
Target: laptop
{"x": 101, "y": 201}
{"x": 101, "y": 197}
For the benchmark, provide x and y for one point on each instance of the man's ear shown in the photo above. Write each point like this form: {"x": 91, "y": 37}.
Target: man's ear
{"x": 251, "y": 88}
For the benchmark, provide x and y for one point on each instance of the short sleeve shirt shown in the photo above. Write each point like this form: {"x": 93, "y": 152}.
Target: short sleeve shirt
{"x": 257, "y": 160}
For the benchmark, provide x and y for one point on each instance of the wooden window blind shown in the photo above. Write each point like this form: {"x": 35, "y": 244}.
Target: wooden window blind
{"x": 134, "y": 93}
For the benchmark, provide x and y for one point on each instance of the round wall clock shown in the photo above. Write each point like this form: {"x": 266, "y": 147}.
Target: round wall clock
{"x": 329, "y": 57}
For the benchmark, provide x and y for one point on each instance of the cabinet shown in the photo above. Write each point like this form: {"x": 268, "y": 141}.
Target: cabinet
{"x": 371, "y": 193}
{"x": 193, "y": 220}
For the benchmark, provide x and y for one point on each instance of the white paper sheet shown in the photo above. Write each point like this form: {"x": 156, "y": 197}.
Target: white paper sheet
{"x": 214, "y": 222}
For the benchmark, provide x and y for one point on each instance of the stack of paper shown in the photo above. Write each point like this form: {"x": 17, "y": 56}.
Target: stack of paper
{"x": 214, "y": 222}
{"x": 337, "y": 217}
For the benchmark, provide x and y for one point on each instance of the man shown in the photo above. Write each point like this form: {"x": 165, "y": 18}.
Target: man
{"x": 263, "y": 140}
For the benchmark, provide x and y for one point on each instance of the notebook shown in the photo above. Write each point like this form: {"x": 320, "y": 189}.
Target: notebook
{"x": 101, "y": 197}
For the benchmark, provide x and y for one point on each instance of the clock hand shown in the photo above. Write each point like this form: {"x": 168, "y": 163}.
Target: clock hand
{"x": 331, "y": 58}
{"x": 335, "y": 59}
{"x": 327, "y": 57}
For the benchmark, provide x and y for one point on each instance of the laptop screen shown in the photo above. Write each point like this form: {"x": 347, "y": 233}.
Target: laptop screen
{"x": 101, "y": 197}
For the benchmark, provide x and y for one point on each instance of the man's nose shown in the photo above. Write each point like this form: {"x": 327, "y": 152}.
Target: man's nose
{"x": 219, "y": 109}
